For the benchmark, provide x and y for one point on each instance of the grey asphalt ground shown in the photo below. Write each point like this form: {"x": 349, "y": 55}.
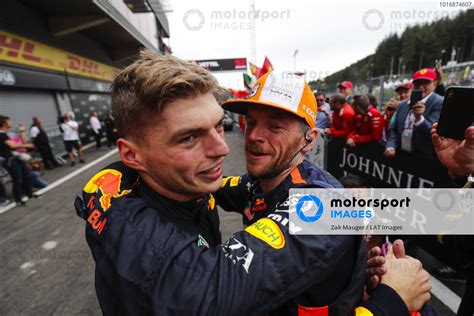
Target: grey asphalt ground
{"x": 46, "y": 266}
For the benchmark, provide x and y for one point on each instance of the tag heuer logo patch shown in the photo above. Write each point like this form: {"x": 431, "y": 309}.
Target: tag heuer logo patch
{"x": 202, "y": 242}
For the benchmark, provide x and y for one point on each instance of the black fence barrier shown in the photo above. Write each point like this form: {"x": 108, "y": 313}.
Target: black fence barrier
{"x": 405, "y": 170}
{"x": 402, "y": 171}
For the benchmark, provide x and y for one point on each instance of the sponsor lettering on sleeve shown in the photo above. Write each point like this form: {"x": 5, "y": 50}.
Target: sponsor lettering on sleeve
{"x": 268, "y": 231}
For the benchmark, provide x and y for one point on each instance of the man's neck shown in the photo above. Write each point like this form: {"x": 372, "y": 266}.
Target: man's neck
{"x": 427, "y": 96}
{"x": 266, "y": 185}
{"x": 155, "y": 186}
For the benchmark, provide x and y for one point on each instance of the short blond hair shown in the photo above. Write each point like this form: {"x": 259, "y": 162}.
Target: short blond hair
{"x": 150, "y": 83}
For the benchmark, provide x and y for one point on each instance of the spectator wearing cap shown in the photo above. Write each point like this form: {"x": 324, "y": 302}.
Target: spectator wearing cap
{"x": 345, "y": 88}
{"x": 404, "y": 90}
{"x": 342, "y": 117}
{"x": 323, "y": 116}
{"x": 411, "y": 129}
{"x": 369, "y": 123}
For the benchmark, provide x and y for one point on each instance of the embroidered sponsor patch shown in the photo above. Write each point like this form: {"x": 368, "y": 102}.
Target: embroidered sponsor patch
{"x": 202, "y": 242}
{"x": 224, "y": 181}
{"x": 234, "y": 181}
{"x": 268, "y": 231}
{"x": 212, "y": 202}
{"x": 238, "y": 253}
{"x": 108, "y": 182}
{"x": 254, "y": 90}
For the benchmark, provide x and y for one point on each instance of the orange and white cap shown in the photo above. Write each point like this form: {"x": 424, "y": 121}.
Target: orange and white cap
{"x": 284, "y": 91}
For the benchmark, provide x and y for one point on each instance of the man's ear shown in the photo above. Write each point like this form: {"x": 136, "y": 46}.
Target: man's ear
{"x": 130, "y": 154}
{"x": 310, "y": 135}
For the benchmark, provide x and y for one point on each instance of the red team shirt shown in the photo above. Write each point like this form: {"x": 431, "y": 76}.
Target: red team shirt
{"x": 343, "y": 122}
{"x": 368, "y": 128}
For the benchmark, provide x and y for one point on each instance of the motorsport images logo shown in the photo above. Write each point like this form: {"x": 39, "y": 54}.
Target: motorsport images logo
{"x": 302, "y": 208}
{"x": 414, "y": 211}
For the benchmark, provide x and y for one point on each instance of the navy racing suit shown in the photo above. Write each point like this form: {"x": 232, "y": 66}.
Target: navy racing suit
{"x": 343, "y": 287}
{"x": 147, "y": 264}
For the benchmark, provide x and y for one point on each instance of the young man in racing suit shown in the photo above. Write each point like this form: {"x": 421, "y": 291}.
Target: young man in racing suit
{"x": 156, "y": 247}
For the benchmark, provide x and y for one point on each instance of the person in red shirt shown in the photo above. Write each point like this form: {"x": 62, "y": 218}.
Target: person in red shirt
{"x": 345, "y": 88}
{"x": 342, "y": 117}
{"x": 368, "y": 125}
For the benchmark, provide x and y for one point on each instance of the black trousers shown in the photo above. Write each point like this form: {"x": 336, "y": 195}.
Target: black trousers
{"x": 47, "y": 156}
{"x": 21, "y": 184}
{"x": 98, "y": 136}
{"x": 111, "y": 139}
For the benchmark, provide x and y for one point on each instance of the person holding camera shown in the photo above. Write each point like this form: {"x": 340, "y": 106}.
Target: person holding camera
{"x": 411, "y": 129}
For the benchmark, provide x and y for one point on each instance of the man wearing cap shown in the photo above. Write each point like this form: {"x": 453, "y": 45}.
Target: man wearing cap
{"x": 404, "y": 90}
{"x": 156, "y": 247}
{"x": 342, "y": 117}
{"x": 345, "y": 88}
{"x": 411, "y": 129}
{"x": 280, "y": 129}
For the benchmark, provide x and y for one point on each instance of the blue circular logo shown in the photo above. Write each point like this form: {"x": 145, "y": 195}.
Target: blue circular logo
{"x": 316, "y": 201}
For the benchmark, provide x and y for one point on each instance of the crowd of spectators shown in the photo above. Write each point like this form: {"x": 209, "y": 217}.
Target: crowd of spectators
{"x": 397, "y": 125}
{"x": 26, "y": 153}
{"x": 411, "y": 129}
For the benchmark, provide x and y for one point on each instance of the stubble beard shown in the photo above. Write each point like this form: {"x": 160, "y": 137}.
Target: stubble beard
{"x": 274, "y": 168}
